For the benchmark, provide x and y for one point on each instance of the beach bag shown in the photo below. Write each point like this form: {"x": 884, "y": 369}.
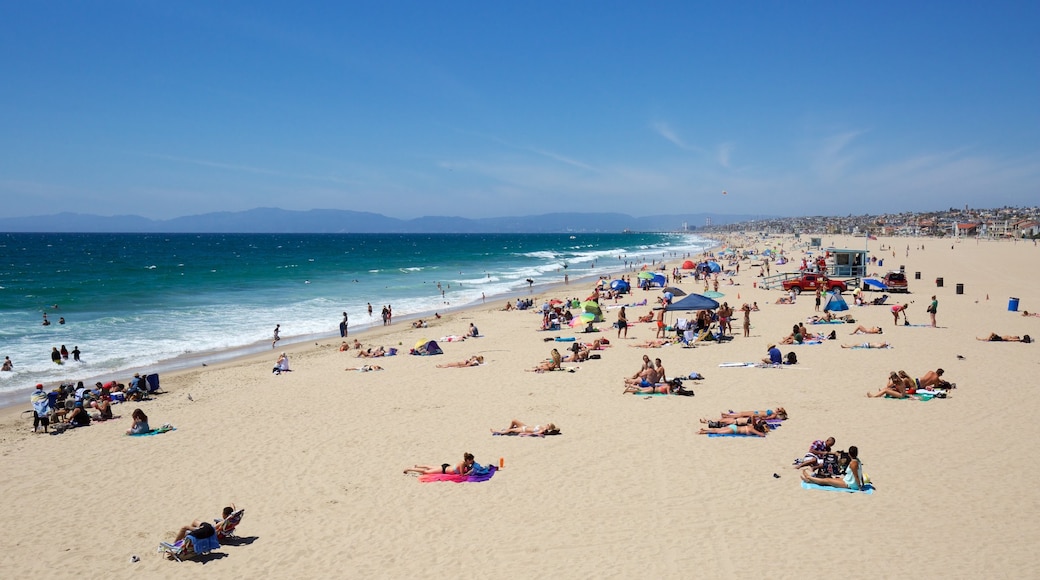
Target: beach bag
{"x": 792, "y": 358}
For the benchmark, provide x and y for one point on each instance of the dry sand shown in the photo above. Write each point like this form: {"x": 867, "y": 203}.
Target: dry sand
{"x": 628, "y": 490}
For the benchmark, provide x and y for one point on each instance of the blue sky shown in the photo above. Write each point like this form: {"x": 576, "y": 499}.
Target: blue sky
{"x": 480, "y": 109}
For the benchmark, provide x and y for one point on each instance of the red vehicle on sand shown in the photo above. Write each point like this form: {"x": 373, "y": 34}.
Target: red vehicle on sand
{"x": 810, "y": 282}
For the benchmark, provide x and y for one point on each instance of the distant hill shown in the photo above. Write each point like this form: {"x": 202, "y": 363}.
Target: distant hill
{"x": 335, "y": 221}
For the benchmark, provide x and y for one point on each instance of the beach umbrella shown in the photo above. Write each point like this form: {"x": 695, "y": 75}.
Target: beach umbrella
{"x": 692, "y": 302}
{"x": 714, "y": 267}
{"x": 674, "y": 291}
{"x": 713, "y": 294}
{"x": 876, "y": 284}
{"x": 688, "y": 265}
{"x": 644, "y": 275}
{"x": 620, "y": 286}
{"x": 583, "y": 319}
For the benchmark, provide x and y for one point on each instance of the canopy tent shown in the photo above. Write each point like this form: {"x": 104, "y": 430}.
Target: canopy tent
{"x": 834, "y": 303}
{"x": 710, "y": 267}
{"x": 659, "y": 280}
{"x": 692, "y": 302}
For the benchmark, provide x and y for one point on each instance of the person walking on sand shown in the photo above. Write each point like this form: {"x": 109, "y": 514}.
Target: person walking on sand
{"x": 622, "y": 323}
{"x": 932, "y": 309}
{"x": 277, "y": 329}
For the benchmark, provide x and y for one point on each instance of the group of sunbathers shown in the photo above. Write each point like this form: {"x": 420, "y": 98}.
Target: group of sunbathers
{"x": 901, "y": 385}
{"x": 755, "y": 423}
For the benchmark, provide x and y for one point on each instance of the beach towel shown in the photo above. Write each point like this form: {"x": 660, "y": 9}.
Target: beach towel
{"x": 479, "y": 474}
{"x": 828, "y": 322}
{"x": 808, "y": 343}
{"x": 862, "y": 347}
{"x": 158, "y": 431}
{"x": 736, "y": 364}
{"x": 867, "y": 489}
{"x": 733, "y": 435}
{"x": 565, "y": 339}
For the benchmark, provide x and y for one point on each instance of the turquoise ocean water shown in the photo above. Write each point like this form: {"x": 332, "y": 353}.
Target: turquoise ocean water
{"x": 163, "y": 301}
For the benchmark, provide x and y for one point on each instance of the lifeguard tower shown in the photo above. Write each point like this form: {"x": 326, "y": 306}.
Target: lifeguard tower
{"x": 844, "y": 263}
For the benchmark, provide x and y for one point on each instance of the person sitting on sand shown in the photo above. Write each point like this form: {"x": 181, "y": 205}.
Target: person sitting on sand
{"x": 784, "y": 300}
{"x": 419, "y": 324}
{"x": 472, "y": 332}
{"x": 553, "y": 364}
{"x": 463, "y": 468}
{"x": 867, "y": 345}
{"x": 517, "y": 427}
{"x": 994, "y": 337}
{"x": 796, "y": 336}
{"x": 817, "y": 450}
{"x": 934, "y": 379}
{"x": 895, "y": 388}
{"x": 140, "y": 425}
{"x": 579, "y": 353}
{"x": 78, "y": 417}
{"x": 344, "y": 346}
{"x": 864, "y": 330}
{"x": 104, "y": 407}
{"x": 473, "y": 361}
{"x": 649, "y": 317}
{"x": 282, "y": 365}
{"x": 364, "y": 368}
{"x": 853, "y": 478}
{"x": 759, "y": 429}
{"x": 648, "y": 377}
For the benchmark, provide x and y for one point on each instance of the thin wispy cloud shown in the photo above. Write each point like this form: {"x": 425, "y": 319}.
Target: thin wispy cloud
{"x": 669, "y": 134}
{"x": 724, "y": 154}
{"x": 250, "y": 169}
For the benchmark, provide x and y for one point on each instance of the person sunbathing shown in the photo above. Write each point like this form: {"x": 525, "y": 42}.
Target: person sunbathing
{"x": 473, "y": 361}
{"x": 370, "y": 353}
{"x": 853, "y": 478}
{"x": 738, "y": 421}
{"x": 671, "y": 388}
{"x": 867, "y": 345}
{"x": 364, "y": 368}
{"x": 994, "y": 337}
{"x": 517, "y": 427}
{"x": 864, "y": 330}
{"x": 759, "y": 430}
{"x": 344, "y": 346}
{"x": 934, "y": 379}
{"x": 578, "y": 353}
{"x": 895, "y": 388}
{"x": 780, "y": 413}
{"x": 648, "y": 377}
{"x": 653, "y": 343}
{"x": 419, "y": 324}
{"x": 784, "y": 300}
{"x": 463, "y": 468}
{"x": 553, "y": 364}
{"x": 648, "y": 318}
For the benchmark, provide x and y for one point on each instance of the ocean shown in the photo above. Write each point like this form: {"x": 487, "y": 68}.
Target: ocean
{"x": 164, "y": 301}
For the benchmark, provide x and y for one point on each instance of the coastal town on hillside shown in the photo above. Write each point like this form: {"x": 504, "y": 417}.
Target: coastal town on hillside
{"x": 1005, "y": 222}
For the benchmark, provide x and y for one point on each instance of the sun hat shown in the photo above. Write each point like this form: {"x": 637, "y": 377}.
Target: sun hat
{"x": 771, "y": 346}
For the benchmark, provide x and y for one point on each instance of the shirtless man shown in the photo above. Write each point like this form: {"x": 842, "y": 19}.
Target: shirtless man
{"x": 864, "y": 330}
{"x": 934, "y": 379}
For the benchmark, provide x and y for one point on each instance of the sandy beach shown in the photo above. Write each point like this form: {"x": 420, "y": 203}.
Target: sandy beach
{"x": 627, "y": 490}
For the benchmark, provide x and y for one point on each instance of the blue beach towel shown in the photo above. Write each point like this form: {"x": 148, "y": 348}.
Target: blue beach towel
{"x": 867, "y": 489}
{"x": 159, "y": 431}
{"x": 733, "y": 435}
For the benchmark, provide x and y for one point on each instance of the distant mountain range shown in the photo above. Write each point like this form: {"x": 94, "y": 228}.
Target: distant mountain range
{"x": 334, "y": 221}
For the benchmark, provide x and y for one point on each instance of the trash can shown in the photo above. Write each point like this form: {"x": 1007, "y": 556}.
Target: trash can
{"x": 917, "y": 275}
{"x": 960, "y": 288}
{"x": 1012, "y": 304}
{"x": 939, "y": 282}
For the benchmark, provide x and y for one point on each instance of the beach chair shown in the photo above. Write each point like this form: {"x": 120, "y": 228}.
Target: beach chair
{"x": 226, "y": 528}
{"x": 189, "y": 547}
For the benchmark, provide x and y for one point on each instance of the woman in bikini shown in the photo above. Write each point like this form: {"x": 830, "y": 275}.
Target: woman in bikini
{"x": 780, "y": 413}
{"x": 853, "y": 478}
{"x": 461, "y": 469}
{"x": 895, "y": 388}
{"x": 994, "y": 337}
{"x": 473, "y": 361}
{"x": 554, "y": 363}
{"x": 520, "y": 428}
{"x": 757, "y": 428}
